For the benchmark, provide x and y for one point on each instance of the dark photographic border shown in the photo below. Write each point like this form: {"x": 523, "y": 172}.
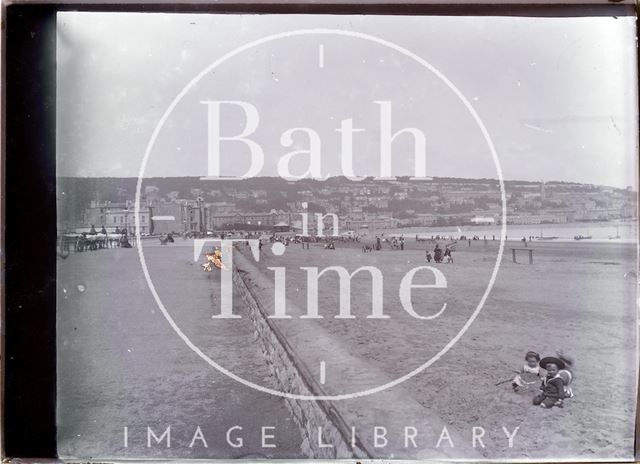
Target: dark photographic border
{"x": 29, "y": 180}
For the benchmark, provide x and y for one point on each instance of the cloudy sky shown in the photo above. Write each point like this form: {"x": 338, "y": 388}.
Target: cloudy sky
{"x": 557, "y": 96}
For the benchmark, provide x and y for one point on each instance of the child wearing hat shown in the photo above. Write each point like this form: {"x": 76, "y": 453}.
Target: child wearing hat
{"x": 553, "y": 385}
{"x": 529, "y": 373}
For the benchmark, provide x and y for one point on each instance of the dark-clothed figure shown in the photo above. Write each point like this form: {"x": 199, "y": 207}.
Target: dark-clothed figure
{"x": 552, "y": 387}
{"x": 437, "y": 254}
{"x": 447, "y": 254}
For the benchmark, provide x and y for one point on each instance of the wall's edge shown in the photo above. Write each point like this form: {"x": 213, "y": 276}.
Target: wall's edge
{"x": 292, "y": 377}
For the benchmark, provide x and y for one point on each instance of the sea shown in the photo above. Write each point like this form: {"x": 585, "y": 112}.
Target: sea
{"x": 619, "y": 231}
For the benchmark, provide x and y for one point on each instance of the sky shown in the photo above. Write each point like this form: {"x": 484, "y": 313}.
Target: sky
{"x": 557, "y": 96}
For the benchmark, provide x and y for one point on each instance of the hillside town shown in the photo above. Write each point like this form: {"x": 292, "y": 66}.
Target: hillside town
{"x": 277, "y": 204}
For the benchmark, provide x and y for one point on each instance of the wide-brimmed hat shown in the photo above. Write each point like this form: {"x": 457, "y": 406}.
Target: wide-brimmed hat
{"x": 552, "y": 360}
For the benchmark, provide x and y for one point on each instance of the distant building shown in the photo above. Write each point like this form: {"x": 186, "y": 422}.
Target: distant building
{"x": 249, "y": 221}
{"x": 168, "y": 217}
{"x": 313, "y": 229}
{"x": 125, "y": 219}
{"x": 180, "y": 216}
{"x": 112, "y": 215}
{"x": 370, "y": 222}
{"x": 196, "y": 215}
{"x": 424, "y": 219}
{"x": 537, "y": 219}
{"x": 222, "y": 207}
{"x": 483, "y": 220}
{"x": 96, "y": 213}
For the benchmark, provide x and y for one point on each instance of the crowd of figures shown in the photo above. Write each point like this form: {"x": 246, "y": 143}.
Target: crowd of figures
{"x": 94, "y": 240}
{"x": 439, "y": 255}
{"x": 395, "y": 243}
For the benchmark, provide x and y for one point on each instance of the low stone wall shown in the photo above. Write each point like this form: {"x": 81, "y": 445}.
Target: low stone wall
{"x": 291, "y": 377}
{"x": 290, "y": 346}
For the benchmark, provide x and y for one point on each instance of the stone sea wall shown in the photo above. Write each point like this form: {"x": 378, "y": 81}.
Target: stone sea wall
{"x": 291, "y": 346}
{"x": 292, "y": 377}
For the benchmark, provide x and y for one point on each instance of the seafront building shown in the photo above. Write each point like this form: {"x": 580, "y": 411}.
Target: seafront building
{"x": 117, "y": 214}
{"x": 361, "y": 206}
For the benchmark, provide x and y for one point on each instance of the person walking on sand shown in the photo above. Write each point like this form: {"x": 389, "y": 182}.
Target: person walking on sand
{"x": 437, "y": 254}
{"x": 447, "y": 255}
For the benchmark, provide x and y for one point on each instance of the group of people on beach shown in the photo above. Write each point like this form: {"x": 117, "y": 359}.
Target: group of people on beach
{"x": 554, "y": 374}
{"x": 395, "y": 243}
{"x": 166, "y": 238}
{"x": 439, "y": 255}
{"x": 94, "y": 240}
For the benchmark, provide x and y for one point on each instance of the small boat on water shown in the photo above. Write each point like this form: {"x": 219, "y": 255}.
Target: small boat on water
{"x": 617, "y": 236}
{"x": 542, "y": 237}
{"x": 582, "y": 237}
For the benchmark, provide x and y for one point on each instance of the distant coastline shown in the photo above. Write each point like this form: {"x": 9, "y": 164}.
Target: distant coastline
{"x": 261, "y": 203}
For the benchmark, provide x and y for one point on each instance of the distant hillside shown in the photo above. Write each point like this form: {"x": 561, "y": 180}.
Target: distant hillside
{"x": 75, "y": 193}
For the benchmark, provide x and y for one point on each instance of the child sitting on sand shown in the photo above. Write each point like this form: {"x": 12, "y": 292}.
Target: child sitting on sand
{"x": 556, "y": 385}
{"x": 530, "y": 372}
{"x": 566, "y": 374}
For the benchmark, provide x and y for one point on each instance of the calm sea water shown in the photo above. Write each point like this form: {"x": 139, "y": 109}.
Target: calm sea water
{"x": 598, "y": 231}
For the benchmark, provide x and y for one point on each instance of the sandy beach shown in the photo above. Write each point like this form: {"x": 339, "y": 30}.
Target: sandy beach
{"x": 122, "y": 365}
{"x": 574, "y": 297}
